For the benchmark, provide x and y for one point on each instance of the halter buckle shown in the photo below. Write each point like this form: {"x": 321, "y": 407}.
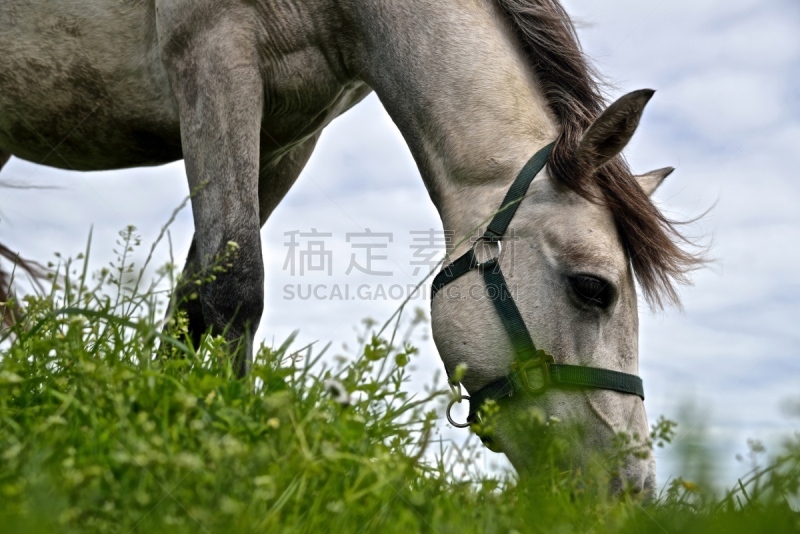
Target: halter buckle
{"x": 534, "y": 374}
{"x": 482, "y": 246}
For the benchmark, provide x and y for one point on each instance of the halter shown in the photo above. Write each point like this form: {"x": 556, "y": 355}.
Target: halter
{"x": 533, "y": 371}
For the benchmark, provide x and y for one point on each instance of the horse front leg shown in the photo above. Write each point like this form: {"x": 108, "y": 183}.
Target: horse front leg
{"x": 276, "y": 177}
{"x": 219, "y": 91}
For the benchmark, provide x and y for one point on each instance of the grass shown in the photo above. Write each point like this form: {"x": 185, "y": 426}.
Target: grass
{"x": 109, "y": 425}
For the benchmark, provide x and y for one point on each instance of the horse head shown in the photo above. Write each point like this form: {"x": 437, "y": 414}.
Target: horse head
{"x": 565, "y": 268}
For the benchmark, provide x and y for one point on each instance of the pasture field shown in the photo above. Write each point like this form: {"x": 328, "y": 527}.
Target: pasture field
{"x": 109, "y": 425}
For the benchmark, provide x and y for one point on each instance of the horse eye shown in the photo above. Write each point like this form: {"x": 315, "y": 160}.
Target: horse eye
{"x": 592, "y": 291}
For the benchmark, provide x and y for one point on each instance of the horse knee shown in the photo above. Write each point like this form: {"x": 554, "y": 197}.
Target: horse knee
{"x": 225, "y": 296}
{"x": 232, "y": 303}
{"x": 233, "y": 298}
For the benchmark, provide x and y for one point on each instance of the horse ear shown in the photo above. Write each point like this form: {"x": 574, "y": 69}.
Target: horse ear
{"x": 651, "y": 180}
{"x": 612, "y": 130}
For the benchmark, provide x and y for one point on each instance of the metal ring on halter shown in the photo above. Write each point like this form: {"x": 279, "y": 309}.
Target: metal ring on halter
{"x": 487, "y": 242}
{"x": 449, "y": 406}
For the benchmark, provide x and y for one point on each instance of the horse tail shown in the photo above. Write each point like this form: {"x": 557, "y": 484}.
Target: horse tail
{"x": 10, "y": 310}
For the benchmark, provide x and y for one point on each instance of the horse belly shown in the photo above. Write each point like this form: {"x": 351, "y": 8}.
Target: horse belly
{"x": 82, "y": 85}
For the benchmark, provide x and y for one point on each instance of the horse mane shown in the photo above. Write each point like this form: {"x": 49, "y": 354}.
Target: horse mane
{"x": 574, "y": 93}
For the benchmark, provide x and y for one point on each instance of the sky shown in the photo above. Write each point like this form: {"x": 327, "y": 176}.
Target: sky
{"x": 726, "y": 114}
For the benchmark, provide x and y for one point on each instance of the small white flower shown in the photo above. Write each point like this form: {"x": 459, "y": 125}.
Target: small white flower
{"x": 337, "y": 391}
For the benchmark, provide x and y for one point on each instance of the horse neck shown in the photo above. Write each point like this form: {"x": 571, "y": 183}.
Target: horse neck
{"x": 455, "y": 80}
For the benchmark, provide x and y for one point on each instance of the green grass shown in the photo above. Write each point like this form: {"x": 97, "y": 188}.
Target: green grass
{"x": 106, "y": 424}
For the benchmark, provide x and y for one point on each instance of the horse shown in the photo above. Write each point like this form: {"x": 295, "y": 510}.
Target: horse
{"x": 241, "y": 90}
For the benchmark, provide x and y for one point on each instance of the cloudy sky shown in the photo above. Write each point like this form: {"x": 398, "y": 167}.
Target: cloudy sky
{"x": 726, "y": 114}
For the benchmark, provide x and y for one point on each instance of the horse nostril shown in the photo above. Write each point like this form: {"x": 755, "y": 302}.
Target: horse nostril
{"x": 649, "y": 486}
{"x": 638, "y": 481}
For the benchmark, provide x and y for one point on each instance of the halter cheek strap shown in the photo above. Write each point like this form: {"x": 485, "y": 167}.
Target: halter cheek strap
{"x": 534, "y": 370}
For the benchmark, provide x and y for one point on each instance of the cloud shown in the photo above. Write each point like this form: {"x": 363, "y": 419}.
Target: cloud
{"x": 734, "y": 103}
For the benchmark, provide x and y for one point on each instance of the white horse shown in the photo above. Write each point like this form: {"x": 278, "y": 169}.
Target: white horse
{"x": 241, "y": 89}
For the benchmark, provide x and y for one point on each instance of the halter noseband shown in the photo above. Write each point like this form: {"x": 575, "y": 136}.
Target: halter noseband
{"x": 534, "y": 370}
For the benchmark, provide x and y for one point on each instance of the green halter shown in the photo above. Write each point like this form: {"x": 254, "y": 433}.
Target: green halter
{"x": 533, "y": 371}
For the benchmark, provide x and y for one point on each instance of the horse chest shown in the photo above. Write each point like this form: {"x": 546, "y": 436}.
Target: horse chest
{"x": 302, "y": 96}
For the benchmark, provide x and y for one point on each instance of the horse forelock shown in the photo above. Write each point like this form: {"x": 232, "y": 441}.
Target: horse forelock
{"x": 574, "y": 92}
